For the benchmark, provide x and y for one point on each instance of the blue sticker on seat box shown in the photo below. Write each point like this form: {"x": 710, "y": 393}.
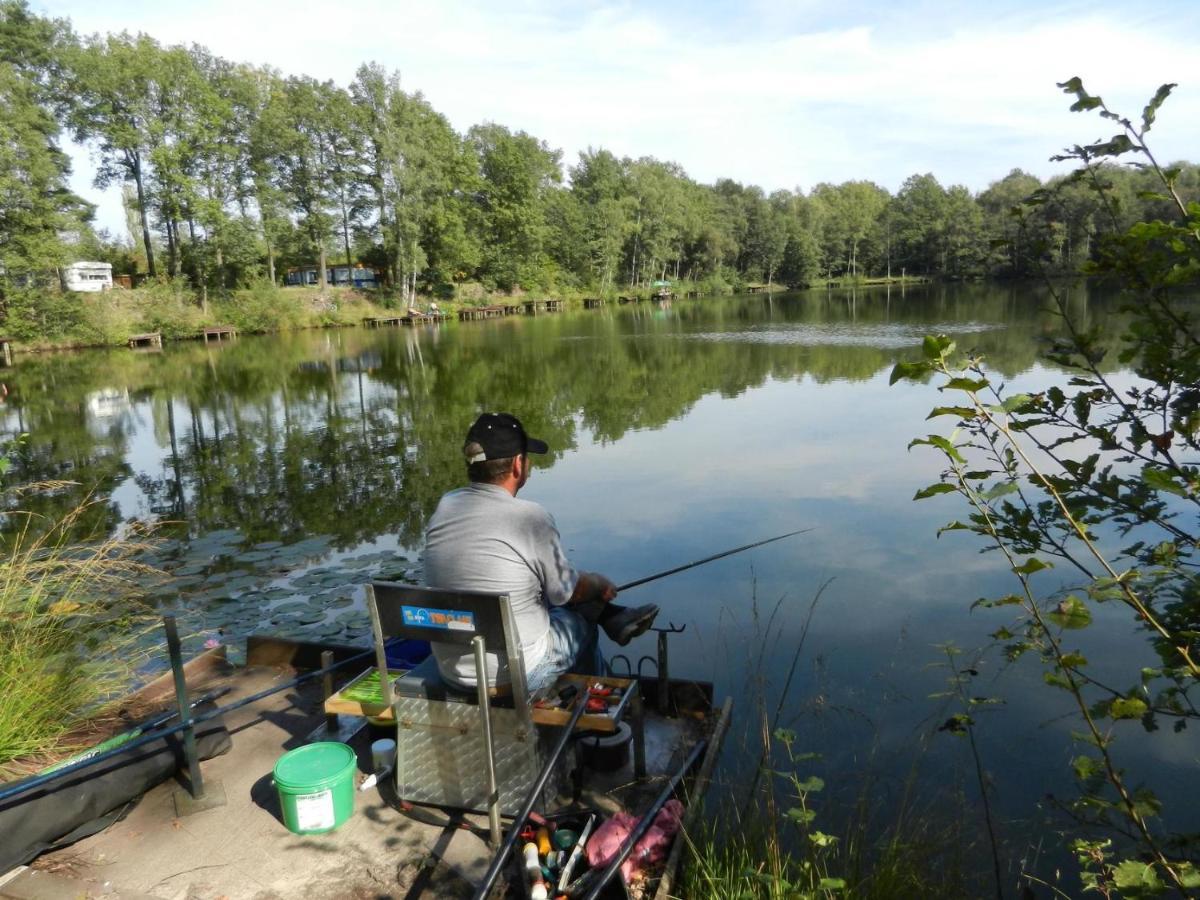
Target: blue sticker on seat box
{"x": 427, "y": 617}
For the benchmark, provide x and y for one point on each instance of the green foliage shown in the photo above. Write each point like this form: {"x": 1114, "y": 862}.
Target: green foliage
{"x": 1069, "y": 473}
{"x": 264, "y": 307}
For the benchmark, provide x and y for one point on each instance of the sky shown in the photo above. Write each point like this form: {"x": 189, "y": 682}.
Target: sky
{"x": 767, "y": 92}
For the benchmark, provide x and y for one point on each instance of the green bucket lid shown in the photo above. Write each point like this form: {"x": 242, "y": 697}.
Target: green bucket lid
{"x": 314, "y": 763}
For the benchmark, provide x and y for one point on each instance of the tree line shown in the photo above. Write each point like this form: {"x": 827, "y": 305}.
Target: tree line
{"x": 233, "y": 172}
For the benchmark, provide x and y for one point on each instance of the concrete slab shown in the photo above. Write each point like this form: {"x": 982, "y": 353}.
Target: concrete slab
{"x": 242, "y": 851}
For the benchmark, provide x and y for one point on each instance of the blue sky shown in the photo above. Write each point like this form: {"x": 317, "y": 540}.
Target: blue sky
{"x": 779, "y": 94}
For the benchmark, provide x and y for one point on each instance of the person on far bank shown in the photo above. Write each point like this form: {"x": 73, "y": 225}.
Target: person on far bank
{"x": 483, "y": 538}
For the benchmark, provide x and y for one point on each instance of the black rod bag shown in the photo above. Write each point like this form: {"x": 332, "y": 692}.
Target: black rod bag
{"x": 89, "y": 800}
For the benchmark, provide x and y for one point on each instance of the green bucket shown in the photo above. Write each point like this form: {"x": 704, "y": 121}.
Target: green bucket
{"x": 316, "y": 787}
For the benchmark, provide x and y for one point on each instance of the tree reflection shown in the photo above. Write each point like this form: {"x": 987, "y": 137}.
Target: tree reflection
{"x": 355, "y": 433}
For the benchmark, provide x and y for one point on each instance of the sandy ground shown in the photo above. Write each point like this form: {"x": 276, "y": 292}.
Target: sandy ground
{"x": 241, "y": 851}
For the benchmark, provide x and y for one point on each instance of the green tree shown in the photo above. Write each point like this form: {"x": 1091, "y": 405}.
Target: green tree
{"x": 851, "y": 217}
{"x": 517, "y": 171}
{"x": 600, "y": 183}
{"x": 303, "y": 159}
{"x": 114, "y": 83}
{"x": 36, "y": 207}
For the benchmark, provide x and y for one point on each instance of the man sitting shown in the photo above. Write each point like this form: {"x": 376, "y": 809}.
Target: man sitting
{"x": 482, "y": 538}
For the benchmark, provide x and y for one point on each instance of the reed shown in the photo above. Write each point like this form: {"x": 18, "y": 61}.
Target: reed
{"x": 770, "y": 839}
{"x": 71, "y": 616}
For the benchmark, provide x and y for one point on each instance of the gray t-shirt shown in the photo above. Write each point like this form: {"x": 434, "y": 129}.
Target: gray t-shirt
{"x": 481, "y": 538}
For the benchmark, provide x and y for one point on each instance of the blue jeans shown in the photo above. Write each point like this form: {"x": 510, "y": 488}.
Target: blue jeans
{"x": 574, "y": 646}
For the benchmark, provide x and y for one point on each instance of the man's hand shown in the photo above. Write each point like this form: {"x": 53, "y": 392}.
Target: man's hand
{"x": 593, "y": 587}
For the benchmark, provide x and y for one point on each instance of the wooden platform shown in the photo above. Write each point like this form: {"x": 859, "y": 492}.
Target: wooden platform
{"x": 482, "y": 312}
{"x": 151, "y": 340}
{"x": 536, "y": 306}
{"x": 219, "y": 333}
{"x": 592, "y": 302}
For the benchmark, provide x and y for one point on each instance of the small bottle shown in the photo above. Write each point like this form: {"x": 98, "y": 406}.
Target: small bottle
{"x": 543, "y": 841}
{"x": 538, "y": 891}
{"x": 533, "y": 867}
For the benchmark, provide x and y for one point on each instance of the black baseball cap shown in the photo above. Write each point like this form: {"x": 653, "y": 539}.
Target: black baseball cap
{"x": 499, "y": 436}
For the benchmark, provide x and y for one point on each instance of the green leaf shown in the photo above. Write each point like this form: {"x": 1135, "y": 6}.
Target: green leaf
{"x": 963, "y": 412}
{"x": 1000, "y": 489}
{"x": 1161, "y": 480}
{"x": 953, "y": 526}
{"x": 1189, "y": 875}
{"x": 1006, "y": 600}
{"x": 973, "y": 385}
{"x": 1073, "y": 660}
{"x": 1155, "y": 102}
{"x": 812, "y": 785}
{"x": 943, "y": 444}
{"x": 832, "y": 884}
{"x": 940, "y": 488}
{"x": 1014, "y": 403}
{"x": 821, "y": 839}
{"x": 801, "y": 816}
{"x": 909, "y": 370}
{"x": 1135, "y": 878}
{"x": 1071, "y": 613}
{"x": 1031, "y": 565}
{"x": 1086, "y": 768}
{"x": 1055, "y": 680}
{"x": 1127, "y": 708}
{"x": 937, "y": 346}
{"x": 785, "y": 735}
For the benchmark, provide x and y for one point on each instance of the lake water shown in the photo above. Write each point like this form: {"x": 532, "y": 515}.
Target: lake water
{"x": 301, "y": 465}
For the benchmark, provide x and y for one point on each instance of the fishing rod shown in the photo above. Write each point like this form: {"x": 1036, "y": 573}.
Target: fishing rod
{"x": 708, "y": 559}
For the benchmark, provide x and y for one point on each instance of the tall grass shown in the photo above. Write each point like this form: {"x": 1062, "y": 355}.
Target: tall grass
{"x": 71, "y": 613}
{"x": 774, "y": 837}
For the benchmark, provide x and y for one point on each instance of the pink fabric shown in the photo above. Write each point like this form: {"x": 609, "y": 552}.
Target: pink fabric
{"x": 604, "y": 843}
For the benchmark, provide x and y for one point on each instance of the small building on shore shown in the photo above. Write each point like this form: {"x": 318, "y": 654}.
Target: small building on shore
{"x": 90, "y": 277}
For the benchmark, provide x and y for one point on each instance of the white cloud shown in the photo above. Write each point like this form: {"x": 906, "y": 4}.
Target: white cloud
{"x": 781, "y": 108}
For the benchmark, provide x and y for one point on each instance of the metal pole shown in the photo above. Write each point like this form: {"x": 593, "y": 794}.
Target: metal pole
{"x": 195, "y": 779}
{"x": 664, "y": 676}
{"x": 485, "y": 719}
{"x": 511, "y": 839}
{"x": 331, "y": 719}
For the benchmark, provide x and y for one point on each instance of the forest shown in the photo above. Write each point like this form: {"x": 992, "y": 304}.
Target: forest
{"x": 232, "y": 173}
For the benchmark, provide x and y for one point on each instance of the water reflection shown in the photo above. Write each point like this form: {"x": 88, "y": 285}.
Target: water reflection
{"x": 352, "y": 433}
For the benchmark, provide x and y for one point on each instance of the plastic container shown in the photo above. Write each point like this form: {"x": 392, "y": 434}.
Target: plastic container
{"x": 316, "y": 787}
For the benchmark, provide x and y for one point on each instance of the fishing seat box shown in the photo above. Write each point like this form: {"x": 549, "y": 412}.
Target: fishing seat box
{"x": 441, "y": 751}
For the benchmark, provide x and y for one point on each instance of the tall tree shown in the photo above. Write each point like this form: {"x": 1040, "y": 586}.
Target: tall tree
{"x": 36, "y": 206}
{"x": 516, "y": 170}
{"x": 303, "y": 160}
{"x": 599, "y": 182}
{"x": 115, "y": 82}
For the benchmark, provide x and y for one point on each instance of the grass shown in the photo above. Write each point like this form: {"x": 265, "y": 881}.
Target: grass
{"x": 70, "y": 619}
{"x": 784, "y": 835}
{"x": 37, "y": 319}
